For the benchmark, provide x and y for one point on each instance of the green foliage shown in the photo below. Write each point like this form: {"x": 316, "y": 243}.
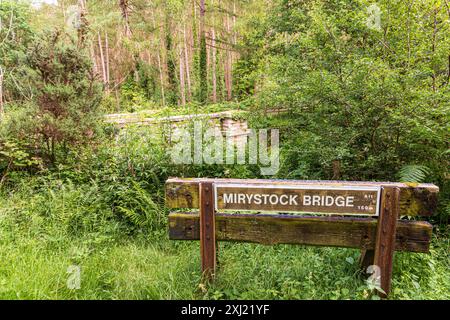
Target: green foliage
{"x": 203, "y": 74}
{"x": 138, "y": 206}
{"x": 363, "y": 103}
{"x": 172, "y": 95}
{"x": 14, "y": 157}
{"x": 15, "y": 35}
{"x": 413, "y": 173}
{"x": 148, "y": 80}
{"x": 246, "y": 70}
{"x": 133, "y": 97}
{"x": 63, "y": 113}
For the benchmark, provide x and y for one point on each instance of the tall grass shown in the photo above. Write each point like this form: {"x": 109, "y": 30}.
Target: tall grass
{"x": 43, "y": 233}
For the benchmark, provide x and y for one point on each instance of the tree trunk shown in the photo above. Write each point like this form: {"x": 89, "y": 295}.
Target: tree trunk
{"x": 195, "y": 31}
{"x": 214, "y": 78}
{"x": 228, "y": 58}
{"x": 107, "y": 62}
{"x": 234, "y": 24}
{"x": 170, "y": 64}
{"x": 102, "y": 58}
{"x": 124, "y": 7}
{"x": 83, "y": 29}
{"x": 182, "y": 84}
{"x": 186, "y": 59}
{"x": 93, "y": 58}
{"x": 203, "y": 74}
{"x": 161, "y": 79}
{"x": 336, "y": 170}
{"x": 160, "y": 68}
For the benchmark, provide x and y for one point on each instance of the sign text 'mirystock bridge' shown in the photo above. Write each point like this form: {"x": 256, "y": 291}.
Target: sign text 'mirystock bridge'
{"x": 351, "y": 200}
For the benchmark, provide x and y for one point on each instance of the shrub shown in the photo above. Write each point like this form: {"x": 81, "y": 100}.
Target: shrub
{"x": 63, "y": 113}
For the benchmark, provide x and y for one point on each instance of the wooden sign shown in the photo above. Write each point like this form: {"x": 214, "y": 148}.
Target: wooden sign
{"x": 342, "y": 200}
{"x": 377, "y": 238}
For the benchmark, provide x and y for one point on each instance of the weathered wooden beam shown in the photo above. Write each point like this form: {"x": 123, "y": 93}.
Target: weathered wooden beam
{"x": 269, "y": 229}
{"x": 415, "y": 199}
{"x": 207, "y": 231}
{"x": 385, "y": 239}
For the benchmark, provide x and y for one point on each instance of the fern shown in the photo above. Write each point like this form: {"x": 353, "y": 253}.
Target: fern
{"x": 138, "y": 206}
{"x": 447, "y": 209}
{"x": 413, "y": 173}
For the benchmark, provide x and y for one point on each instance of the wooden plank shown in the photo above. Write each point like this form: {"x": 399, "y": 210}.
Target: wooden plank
{"x": 269, "y": 229}
{"x": 415, "y": 199}
{"x": 207, "y": 231}
{"x": 385, "y": 239}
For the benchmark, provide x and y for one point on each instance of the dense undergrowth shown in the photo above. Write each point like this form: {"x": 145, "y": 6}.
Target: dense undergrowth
{"x": 105, "y": 213}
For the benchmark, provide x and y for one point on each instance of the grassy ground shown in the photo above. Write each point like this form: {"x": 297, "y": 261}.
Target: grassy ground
{"x": 159, "y": 269}
{"x": 46, "y": 229}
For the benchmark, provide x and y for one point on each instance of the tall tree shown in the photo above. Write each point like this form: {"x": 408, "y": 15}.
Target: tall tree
{"x": 228, "y": 61}
{"x": 170, "y": 63}
{"x": 213, "y": 57}
{"x": 102, "y": 59}
{"x": 214, "y": 64}
{"x": 182, "y": 72}
{"x": 125, "y": 9}
{"x": 107, "y": 61}
{"x": 160, "y": 68}
{"x": 186, "y": 59}
{"x": 83, "y": 23}
{"x": 203, "y": 73}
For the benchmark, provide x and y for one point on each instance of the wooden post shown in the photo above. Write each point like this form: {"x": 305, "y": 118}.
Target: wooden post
{"x": 207, "y": 230}
{"x": 385, "y": 240}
